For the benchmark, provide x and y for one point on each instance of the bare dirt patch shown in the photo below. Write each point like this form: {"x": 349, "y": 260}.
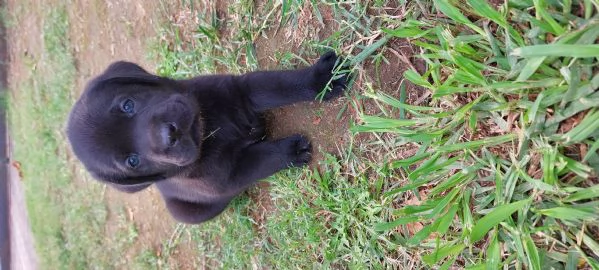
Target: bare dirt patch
{"x": 105, "y": 31}
{"x": 24, "y": 41}
{"x": 322, "y": 122}
{"x": 318, "y": 121}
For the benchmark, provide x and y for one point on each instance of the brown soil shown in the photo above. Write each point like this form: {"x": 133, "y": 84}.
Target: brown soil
{"x": 24, "y": 42}
{"x": 105, "y": 31}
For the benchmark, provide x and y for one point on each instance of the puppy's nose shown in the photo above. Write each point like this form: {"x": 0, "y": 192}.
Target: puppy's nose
{"x": 170, "y": 134}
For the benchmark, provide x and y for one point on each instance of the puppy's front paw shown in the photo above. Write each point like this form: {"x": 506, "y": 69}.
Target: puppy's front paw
{"x": 299, "y": 150}
{"x": 323, "y": 73}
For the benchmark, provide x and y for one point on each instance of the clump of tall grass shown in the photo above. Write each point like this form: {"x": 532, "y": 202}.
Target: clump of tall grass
{"x": 505, "y": 171}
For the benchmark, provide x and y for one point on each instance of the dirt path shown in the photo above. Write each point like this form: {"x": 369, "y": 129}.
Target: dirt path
{"x": 105, "y": 31}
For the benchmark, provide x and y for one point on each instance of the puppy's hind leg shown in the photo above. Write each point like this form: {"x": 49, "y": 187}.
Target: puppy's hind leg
{"x": 194, "y": 213}
{"x": 257, "y": 161}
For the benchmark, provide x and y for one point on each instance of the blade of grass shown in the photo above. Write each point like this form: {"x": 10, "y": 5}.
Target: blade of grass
{"x": 387, "y": 226}
{"x": 407, "y": 32}
{"x": 485, "y": 10}
{"x": 534, "y": 262}
{"x": 592, "y": 151}
{"x": 442, "y": 205}
{"x": 571, "y": 213}
{"x": 455, "y": 14}
{"x": 416, "y": 79}
{"x": 583, "y": 194}
{"x": 493, "y": 253}
{"x": 467, "y": 219}
{"x": 431, "y": 167}
{"x": 567, "y": 50}
{"x": 531, "y": 66}
{"x": 549, "y": 155}
{"x": 443, "y": 252}
{"x": 447, "y": 218}
{"x": 541, "y": 11}
{"x": 574, "y": 166}
{"x": 402, "y": 99}
{"x": 583, "y": 130}
{"x": 389, "y": 100}
{"x": 573, "y": 80}
{"x": 366, "y": 52}
{"x": 572, "y": 262}
{"x": 422, "y": 234}
{"x": 493, "y": 218}
{"x": 476, "y": 144}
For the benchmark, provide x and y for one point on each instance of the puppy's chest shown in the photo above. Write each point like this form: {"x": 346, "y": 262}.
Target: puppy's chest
{"x": 227, "y": 129}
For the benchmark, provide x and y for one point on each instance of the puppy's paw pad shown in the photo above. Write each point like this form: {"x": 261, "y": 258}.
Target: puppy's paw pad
{"x": 299, "y": 150}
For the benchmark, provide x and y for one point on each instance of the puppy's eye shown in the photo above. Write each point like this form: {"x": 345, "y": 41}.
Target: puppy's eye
{"x": 132, "y": 160}
{"x": 128, "y": 106}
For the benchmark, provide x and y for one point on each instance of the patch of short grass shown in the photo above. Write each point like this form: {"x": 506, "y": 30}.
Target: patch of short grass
{"x": 325, "y": 219}
{"x": 66, "y": 217}
{"x": 198, "y": 41}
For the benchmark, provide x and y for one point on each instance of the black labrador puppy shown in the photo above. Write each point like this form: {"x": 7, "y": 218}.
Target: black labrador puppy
{"x": 201, "y": 141}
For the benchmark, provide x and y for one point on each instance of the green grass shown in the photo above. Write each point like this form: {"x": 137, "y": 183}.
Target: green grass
{"x": 66, "y": 218}
{"x": 483, "y": 157}
{"x": 513, "y": 195}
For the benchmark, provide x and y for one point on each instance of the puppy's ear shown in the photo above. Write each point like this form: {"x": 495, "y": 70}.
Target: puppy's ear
{"x": 124, "y": 68}
{"x": 128, "y": 73}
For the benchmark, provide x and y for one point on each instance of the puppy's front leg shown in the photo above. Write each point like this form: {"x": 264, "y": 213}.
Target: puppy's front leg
{"x": 263, "y": 159}
{"x": 271, "y": 89}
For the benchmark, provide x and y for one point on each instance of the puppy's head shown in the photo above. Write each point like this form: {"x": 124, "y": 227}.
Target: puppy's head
{"x": 130, "y": 127}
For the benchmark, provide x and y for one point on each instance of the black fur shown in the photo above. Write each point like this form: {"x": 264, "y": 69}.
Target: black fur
{"x": 201, "y": 141}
